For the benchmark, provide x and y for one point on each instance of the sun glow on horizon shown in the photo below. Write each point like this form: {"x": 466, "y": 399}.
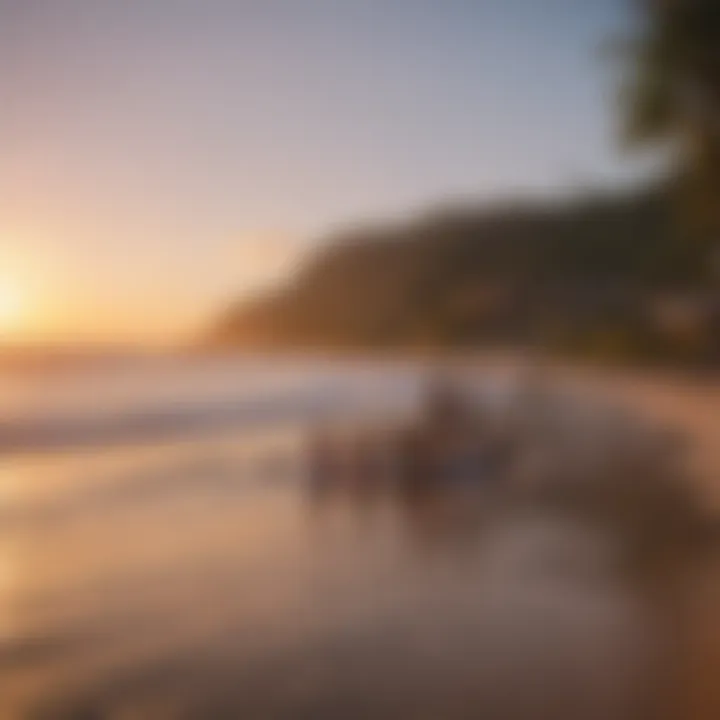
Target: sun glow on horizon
{"x": 12, "y": 305}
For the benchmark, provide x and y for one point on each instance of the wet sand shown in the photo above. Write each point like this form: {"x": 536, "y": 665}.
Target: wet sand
{"x": 687, "y": 402}
{"x": 204, "y": 579}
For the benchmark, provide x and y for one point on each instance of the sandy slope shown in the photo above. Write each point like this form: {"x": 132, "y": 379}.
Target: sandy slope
{"x": 692, "y": 406}
{"x": 686, "y": 403}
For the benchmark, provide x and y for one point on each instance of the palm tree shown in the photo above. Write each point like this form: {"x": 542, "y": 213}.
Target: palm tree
{"x": 673, "y": 98}
{"x": 673, "y": 93}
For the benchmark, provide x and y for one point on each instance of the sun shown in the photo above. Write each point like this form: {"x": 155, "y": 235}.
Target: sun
{"x": 12, "y": 305}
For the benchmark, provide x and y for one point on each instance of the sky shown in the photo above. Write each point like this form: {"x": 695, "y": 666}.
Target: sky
{"x": 161, "y": 157}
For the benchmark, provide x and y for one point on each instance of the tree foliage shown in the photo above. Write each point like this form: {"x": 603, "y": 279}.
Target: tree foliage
{"x": 673, "y": 94}
{"x": 583, "y": 277}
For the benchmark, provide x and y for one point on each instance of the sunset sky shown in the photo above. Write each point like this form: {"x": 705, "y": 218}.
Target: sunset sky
{"x": 162, "y": 156}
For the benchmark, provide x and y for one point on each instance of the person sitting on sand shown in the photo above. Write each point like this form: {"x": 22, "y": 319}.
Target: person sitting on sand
{"x": 452, "y": 440}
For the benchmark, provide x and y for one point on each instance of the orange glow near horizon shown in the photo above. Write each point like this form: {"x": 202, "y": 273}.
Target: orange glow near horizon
{"x": 44, "y": 300}
{"x": 25, "y": 313}
{"x": 52, "y": 292}
{"x": 13, "y": 305}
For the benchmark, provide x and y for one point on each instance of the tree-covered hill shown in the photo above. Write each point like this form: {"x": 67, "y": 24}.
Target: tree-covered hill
{"x": 606, "y": 275}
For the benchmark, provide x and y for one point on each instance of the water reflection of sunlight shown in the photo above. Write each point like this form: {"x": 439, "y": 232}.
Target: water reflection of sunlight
{"x": 8, "y": 587}
{"x": 204, "y": 572}
{"x": 10, "y": 492}
{"x": 9, "y": 487}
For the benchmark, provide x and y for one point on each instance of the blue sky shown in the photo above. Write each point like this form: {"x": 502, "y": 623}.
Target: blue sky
{"x": 161, "y": 155}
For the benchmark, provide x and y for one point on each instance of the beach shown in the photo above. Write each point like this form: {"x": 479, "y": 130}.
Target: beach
{"x": 193, "y": 574}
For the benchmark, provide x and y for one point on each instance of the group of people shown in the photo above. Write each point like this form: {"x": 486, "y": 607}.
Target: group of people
{"x": 537, "y": 439}
{"x": 451, "y": 440}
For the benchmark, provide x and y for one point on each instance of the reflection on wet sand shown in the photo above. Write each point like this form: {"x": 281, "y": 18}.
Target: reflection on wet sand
{"x": 587, "y": 621}
{"x": 207, "y": 581}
